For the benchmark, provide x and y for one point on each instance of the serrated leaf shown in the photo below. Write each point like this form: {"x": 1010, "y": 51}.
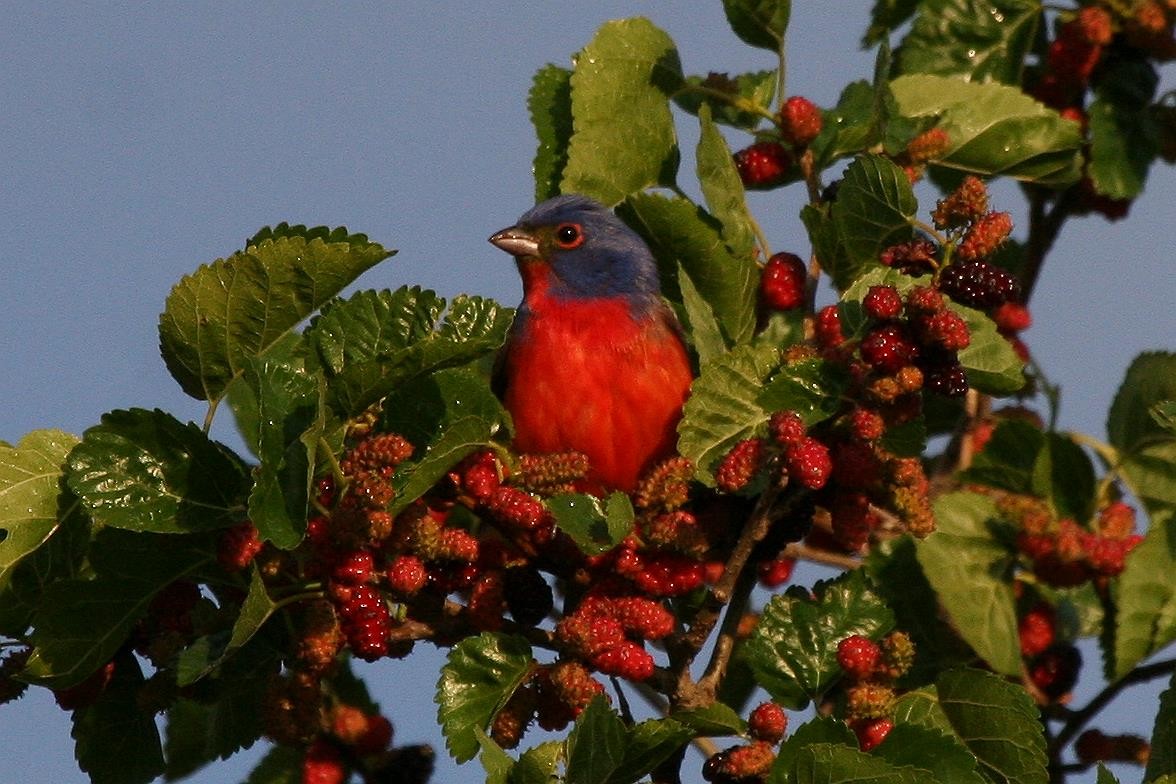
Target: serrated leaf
{"x": 647, "y": 745}
{"x": 457, "y": 439}
{"x": 992, "y": 365}
{"x": 998, "y": 721}
{"x": 240, "y": 306}
{"x": 722, "y": 188}
{"x": 1162, "y": 759}
{"x": 1105, "y": 776}
{"x": 80, "y": 624}
{"x": 977, "y": 41}
{"x": 682, "y": 236}
{"x": 537, "y": 765}
{"x": 874, "y": 209}
{"x": 117, "y": 741}
{"x": 824, "y": 763}
{"x": 970, "y": 569}
{"x": 939, "y": 753}
{"x": 1007, "y": 461}
{"x": 994, "y": 129}
{"x": 739, "y": 100}
{"x": 146, "y": 471}
{"x": 496, "y": 762}
{"x": 820, "y": 730}
{"x": 1164, "y": 415}
{"x": 1150, "y": 379}
{"x": 624, "y": 135}
{"x": 30, "y": 493}
{"x": 422, "y": 408}
{"x": 550, "y": 105}
{"x": 698, "y": 319}
{"x": 374, "y": 341}
{"x": 1064, "y": 474}
{"x": 812, "y": 388}
{"x": 595, "y": 525}
{"x": 715, "y": 720}
{"x": 850, "y": 127}
{"x": 886, "y": 16}
{"x": 256, "y": 609}
{"x": 477, "y": 679}
{"x": 761, "y": 23}
{"x": 280, "y": 411}
{"x": 1123, "y": 133}
{"x": 722, "y": 408}
{"x": 1145, "y": 618}
{"x": 793, "y": 650}
{"x": 921, "y": 707}
{"x": 280, "y": 765}
{"x": 596, "y": 745}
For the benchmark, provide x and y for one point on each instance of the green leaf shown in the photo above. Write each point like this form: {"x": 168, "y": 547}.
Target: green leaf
{"x": 422, "y": 408}
{"x": 992, "y": 365}
{"x": 715, "y": 720}
{"x": 550, "y": 104}
{"x": 739, "y": 100}
{"x": 237, "y": 308}
{"x": 1008, "y": 459}
{"x": 824, "y": 763}
{"x": 683, "y": 236}
{"x": 80, "y": 624}
{"x": 820, "y": 730}
{"x": 1145, "y": 620}
{"x": 994, "y": 129}
{"x": 885, "y": 17}
{"x": 1105, "y": 776}
{"x": 255, "y": 610}
{"x": 117, "y": 741}
{"x": 1064, "y": 474}
{"x": 374, "y": 341}
{"x": 811, "y": 387}
{"x": 537, "y": 765}
{"x": 280, "y": 412}
{"x": 595, "y": 525}
{"x": 1150, "y": 379}
{"x": 146, "y": 471}
{"x": 1123, "y": 132}
{"x": 280, "y": 765}
{"x": 624, "y": 133}
{"x": 698, "y": 319}
{"x": 921, "y": 707}
{"x": 978, "y": 41}
{"x": 60, "y": 557}
{"x": 970, "y": 569}
{"x": 761, "y": 23}
{"x": 722, "y": 408}
{"x": 1164, "y": 415}
{"x": 30, "y": 492}
{"x": 941, "y": 754}
{"x": 1162, "y": 760}
{"x": 793, "y": 650}
{"x": 850, "y": 127}
{"x": 721, "y": 187}
{"x": 874, "y": 209}
{"x": 648, "y": 744}
{"x": 998, "y": 721}
{"x": 479, "y": 676}
{"x": 458, "y": 439}
{"x": 496, "y": 762}
{"x": 596, "y": 745}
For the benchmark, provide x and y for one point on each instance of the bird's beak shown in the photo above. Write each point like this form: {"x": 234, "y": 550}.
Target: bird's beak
{"x": 517, "y": 242}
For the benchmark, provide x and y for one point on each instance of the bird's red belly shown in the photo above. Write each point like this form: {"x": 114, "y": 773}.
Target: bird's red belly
{"x": 588, "y": 378}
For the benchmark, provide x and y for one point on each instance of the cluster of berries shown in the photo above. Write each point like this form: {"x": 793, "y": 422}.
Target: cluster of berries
{"x": 869, "y": 671}
{"x": 771, "y": 160}
{"x": 1064, "y": 553}
{"x": 1052, "y": 664}
{"x": 750, "y": 763}
{"x": 552, "y": 695}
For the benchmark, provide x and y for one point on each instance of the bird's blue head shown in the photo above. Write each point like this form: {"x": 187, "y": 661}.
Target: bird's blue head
{"x": 572, "y": 247}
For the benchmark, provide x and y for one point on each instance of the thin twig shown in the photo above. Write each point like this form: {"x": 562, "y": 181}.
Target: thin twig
{"x": 803, "y": 552}
{"x": 716, "y": 668}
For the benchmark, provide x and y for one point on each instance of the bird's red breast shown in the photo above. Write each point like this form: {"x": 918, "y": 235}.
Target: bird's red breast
{"x": 586, "y": 375}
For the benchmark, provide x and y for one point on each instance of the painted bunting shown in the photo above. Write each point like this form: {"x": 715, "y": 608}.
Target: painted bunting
{"x": 594, "y": 362}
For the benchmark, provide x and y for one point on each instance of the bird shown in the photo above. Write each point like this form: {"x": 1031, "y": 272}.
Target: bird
{"x": 594, "y": 361}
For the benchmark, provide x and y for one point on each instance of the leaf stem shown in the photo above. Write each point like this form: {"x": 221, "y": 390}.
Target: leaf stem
{"x": 209, "y": 414}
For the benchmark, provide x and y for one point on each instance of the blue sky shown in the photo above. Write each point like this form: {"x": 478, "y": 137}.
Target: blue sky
{"x": 141, "y": 140}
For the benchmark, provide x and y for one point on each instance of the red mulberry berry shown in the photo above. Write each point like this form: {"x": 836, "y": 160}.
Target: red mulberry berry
{"x": 787, "y": 427}
{"x": 238, "y": 546}
{"x": 627, "y": 659}
{"x": 782, "y": 284}
{"x": 888, "y": 348}
{"x": 828, "y": 327}
{"x": 323, "y": 764}
{"x": 978, "y": 284}
{"x": 809, "y": 463}
{"x": 928, "y": 146}
{"x": 962, "y": 206}
{"x": 768, "y": 722}
{"x": 858, "y": 656}
{"x": 763, "y": 164}
{"x": 643, "y": 617}
{"x": 1012, "y": 317}
{"x": 984, "y": 236}
{"x": 1036, "y": 629}
{"x": 407, "y": 575}
{"x": 354, "y": 568}
{"x": 800, "y": 121}
{"x": 739, "y": 465}
{"x": 872, "y": 732}
{"x": 517, "y": 508}
{"x": 776, "y": 572}
{"x": 945, "y": 330}
{"x": 866, "y": 425}
{"x": 882, "y": 303}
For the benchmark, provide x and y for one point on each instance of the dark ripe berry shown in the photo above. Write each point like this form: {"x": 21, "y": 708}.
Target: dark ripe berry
{"x": 809, "y": 463}
{"x": 1055, "y": 670}
{"x": 739, "y": 465}
{"x": 800, "y": 121}
{"x": 914, "y": 258}
{"x": 979, "y": 284}
{"x": 768, "y": 722}
{"x": 782, "y": 284}
{"x": 528, "y": 596}
{"x": 776, "y": 572}
{"x": 882, "y": 303}
{"x": 787, "y": 427}
{"x": 238, "y": 546}
{"x": 763, "y": 164}
{"x": 949, "y": 379}
{"x": 858, "y": 656}
{"x": 888, "y": 348}
{"x": 828, "y": 327}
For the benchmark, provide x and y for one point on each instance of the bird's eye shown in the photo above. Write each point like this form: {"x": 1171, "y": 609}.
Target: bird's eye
{"x": 569, "y": 235}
